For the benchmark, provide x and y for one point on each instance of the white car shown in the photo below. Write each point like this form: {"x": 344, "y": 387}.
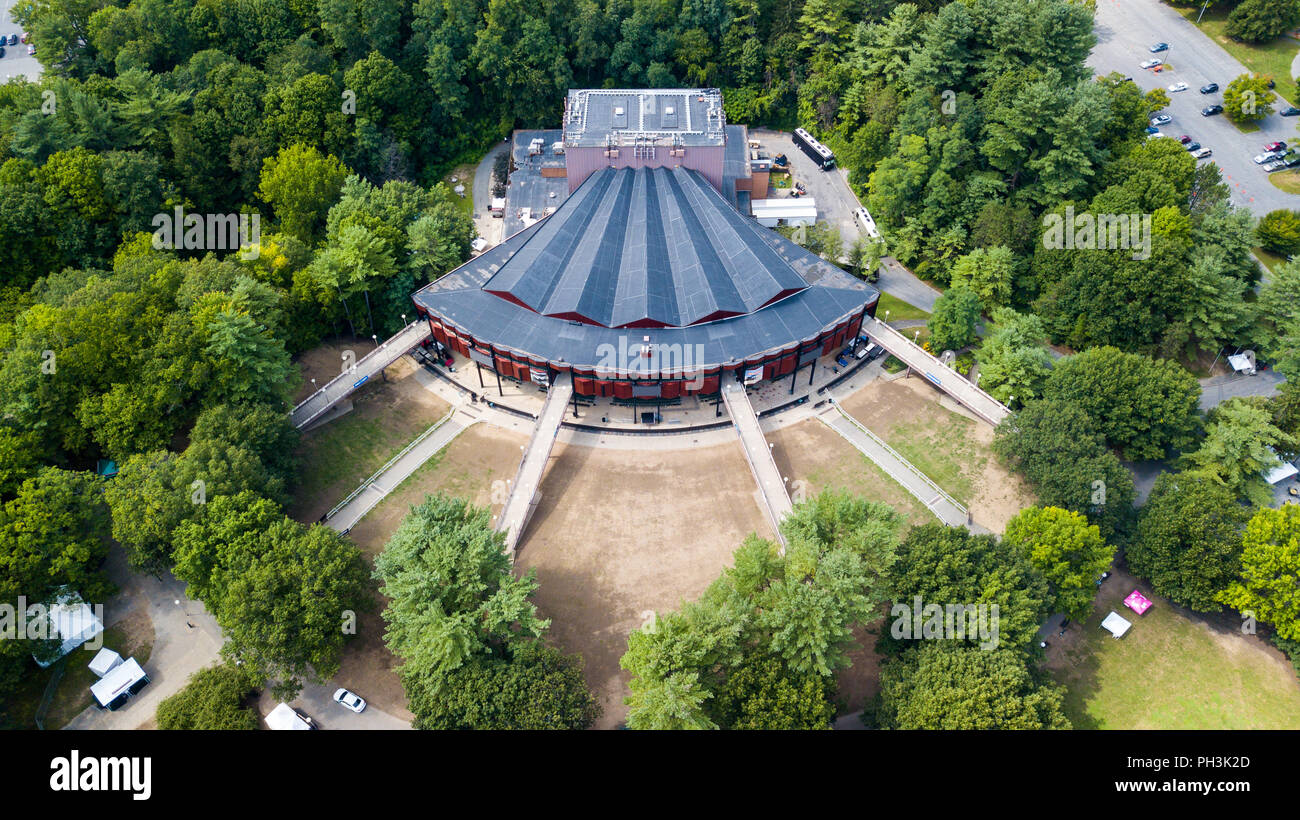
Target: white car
{"x": 349, "y": 700}
{"x": 1275, "y": 165}
{"x": 1152, "y": 63}
{"x": 1269, "y": 157}
{"x": 1202, "y": 154}
{"x": 1178, "y": 87}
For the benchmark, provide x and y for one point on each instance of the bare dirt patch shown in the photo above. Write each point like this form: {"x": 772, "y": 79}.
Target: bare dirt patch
{"x": 953, "y": 449}
{"x": 619, "y": 534}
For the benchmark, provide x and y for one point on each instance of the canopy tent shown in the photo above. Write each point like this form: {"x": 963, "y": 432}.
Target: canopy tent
{"x": 1137, "y": 602}
{"x": 1242, "y": 363}
{"x": 1281, "y": 471}
{"x": 105, "y": 661}
{"x": 71, "y": 623}
{"x": 1115, "y": 624}
{"x": 284, "y": 717}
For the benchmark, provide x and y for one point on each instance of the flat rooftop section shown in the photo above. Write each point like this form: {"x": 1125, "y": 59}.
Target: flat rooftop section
{"x": 659, "y": 116}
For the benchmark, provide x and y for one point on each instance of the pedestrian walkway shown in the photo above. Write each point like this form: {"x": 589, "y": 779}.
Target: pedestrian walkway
{"x": 315, "y": 405}
{"x": 776, "y": 501}
{"x": 388, "y": 477}
{"x": 944, "y": 507}
{"x": 944, "y": 377}
{"x": 523, "y": 496}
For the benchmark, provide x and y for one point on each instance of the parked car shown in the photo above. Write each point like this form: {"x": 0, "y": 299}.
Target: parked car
{"x": 1209, "y": 88}
{"x": 1275, "y": 165}
{"x": 31, "y": 50}
{"x": 1211, "y": 110}
{"x": 1202, "y": 154}
{"x": 1269, "y": 156}
{"x": 1161, "y": 119}
{"x": 1152, "y": 63}
{"x": 24, "y": 36}
{"x": 1194, "y": 147}
{"x": 349, "y": 700}
{"x": 1184, "y": 139}
{"x": 2, "y": 51}
{"x": 1151, "y": 129}
{"x": 1275, "y": 146}
{"x": 1290, "y": 111}
{"x": 1176, "y": 87}
{"x": 1158, "y": 47}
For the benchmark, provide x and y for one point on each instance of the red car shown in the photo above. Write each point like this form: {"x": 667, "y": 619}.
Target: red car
{"x": 1184, "y": 139}
{"x": 1275, "y": 146}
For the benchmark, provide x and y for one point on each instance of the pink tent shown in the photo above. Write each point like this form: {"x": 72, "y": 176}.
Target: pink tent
{"x": 1137, "y": 602}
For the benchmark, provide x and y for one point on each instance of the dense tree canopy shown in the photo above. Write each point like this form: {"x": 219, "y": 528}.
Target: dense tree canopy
{"x": 1188, "y": 540}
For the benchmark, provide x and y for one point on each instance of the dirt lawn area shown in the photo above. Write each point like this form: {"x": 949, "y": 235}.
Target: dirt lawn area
{"x": 466, "y": 468}
{"x": 950, "y": 447}
{"x": 340, "y": 454}
{"x": 1174, "y": 669}
{"x": 620, "y": 534}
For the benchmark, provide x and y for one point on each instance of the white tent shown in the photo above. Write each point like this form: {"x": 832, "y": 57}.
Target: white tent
{"x": 283, "y": 717}
{"x": 71, "y": 621}
{"x": 1282, "y": 470}
{"x": 1242, "y": 363}
{"x": 1115, "y": 624}
{"x": 105, "y": 661}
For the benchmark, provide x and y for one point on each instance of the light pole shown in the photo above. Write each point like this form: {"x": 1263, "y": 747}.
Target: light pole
{"x": 403, "y": 320}
{"x": 376, "y": 338}
{"x": 1198, "y": 17}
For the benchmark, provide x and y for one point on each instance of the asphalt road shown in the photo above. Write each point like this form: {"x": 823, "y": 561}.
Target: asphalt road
{"x": 829, "y": 189}
{"x": 1126, "y": 29}
{"x": 16, "y": 62}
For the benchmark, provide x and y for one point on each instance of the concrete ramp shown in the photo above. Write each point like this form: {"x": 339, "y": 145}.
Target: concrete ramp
{"x": 338, "y": 388}
{"x": 944, "y": 507}
{"x": 523, "y": 496}
{"x": 776, "y": 501}
{"x": 387, "y": 478}
{"x": 944, "y": 377}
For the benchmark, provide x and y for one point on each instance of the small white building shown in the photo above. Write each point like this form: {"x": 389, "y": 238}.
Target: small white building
{"x": 784, "y": 211}
{"x": 114, "y": 689}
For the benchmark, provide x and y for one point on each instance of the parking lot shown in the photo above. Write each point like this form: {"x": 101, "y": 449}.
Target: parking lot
{"x": 15, "y": 63}
{"x": 1127, "y": 29}
{"x": 829, "y": 189}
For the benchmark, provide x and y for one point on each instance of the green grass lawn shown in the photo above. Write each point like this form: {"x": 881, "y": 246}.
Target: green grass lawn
{"x": 1269, "y": 59}
{"x": 1271, "y": 260}
{"x": 1288, "y": 181}
{"x": 1171, "y": 672}
{"x": 944, "y": 449}
{"x": 898, "y": 309}
{"x": 339, "y": 456}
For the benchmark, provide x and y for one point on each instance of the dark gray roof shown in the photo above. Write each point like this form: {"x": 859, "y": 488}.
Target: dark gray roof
{"x": 636, "y": 245}
{"x": 646, "y": 247}
{"x": 689, "y": 116}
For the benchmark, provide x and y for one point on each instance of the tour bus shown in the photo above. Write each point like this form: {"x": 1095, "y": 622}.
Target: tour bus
{"x": 819, "y": 153}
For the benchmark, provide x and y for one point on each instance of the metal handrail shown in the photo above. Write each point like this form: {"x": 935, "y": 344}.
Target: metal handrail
{"x": 931, "y": 356}
{"x": 375, "y": 476}
{"x": 909, "y": 465}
